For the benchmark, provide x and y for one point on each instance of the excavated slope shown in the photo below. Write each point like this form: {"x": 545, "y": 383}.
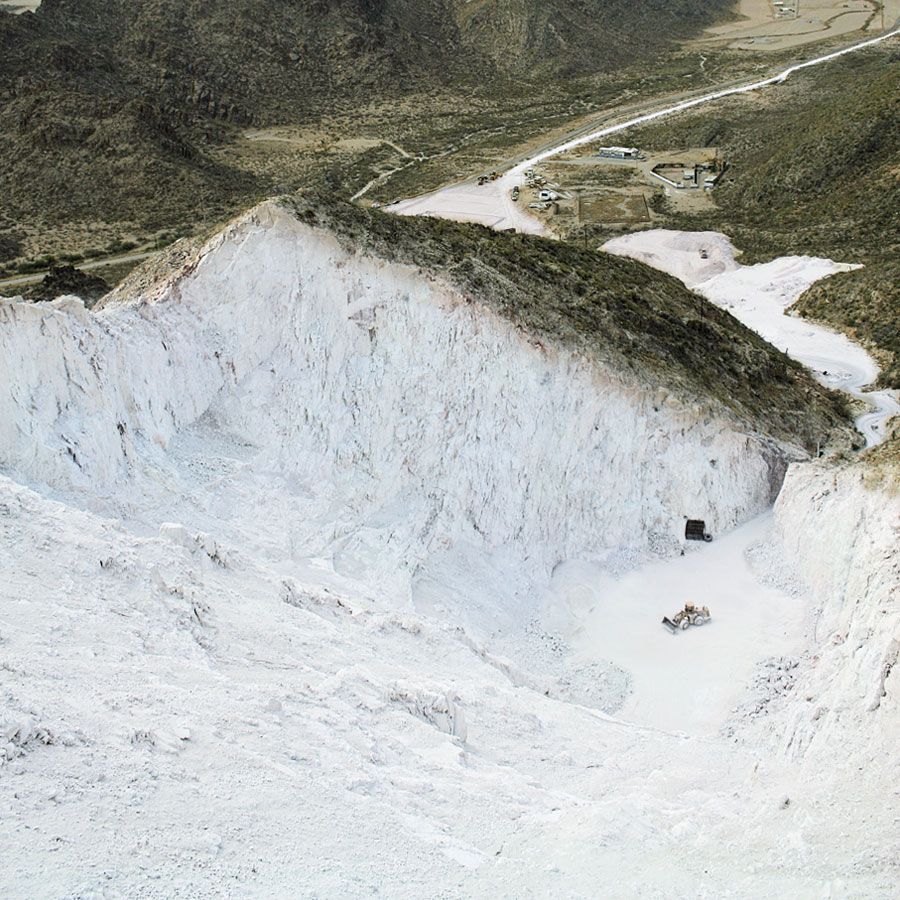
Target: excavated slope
{"x": 853, "y": 565}
{"x": 390, "y": 416}
{"x": 276, "y": 533}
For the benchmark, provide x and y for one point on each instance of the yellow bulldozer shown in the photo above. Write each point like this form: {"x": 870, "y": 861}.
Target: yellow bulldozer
{"x": 690, "y": 615}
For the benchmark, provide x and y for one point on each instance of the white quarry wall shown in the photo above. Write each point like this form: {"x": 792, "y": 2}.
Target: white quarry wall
{"x": 415, "y": 417}
{"x": 209, "y": 677}
{"x": 844, "y": 537}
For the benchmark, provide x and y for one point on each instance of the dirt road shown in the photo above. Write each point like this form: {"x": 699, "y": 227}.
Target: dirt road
{"x": 490, "y": 204}
{"x": 96, "y": 264}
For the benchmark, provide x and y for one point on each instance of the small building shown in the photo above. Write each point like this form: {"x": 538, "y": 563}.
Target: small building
{"x": 695, "y": 530}
{"x": 619, "y": 152}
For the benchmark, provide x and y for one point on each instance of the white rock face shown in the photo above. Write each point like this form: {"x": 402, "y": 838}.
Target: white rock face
{"x": 273, "y": 609}
{"x": 845, "y": 538}
{"x": 392, "y": 419}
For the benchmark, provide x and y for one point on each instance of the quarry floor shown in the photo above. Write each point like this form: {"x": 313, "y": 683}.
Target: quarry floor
{"x": 251, "y": 747}
{"x": 690, "y": 681}
{"x": 241, "y": 745}
{"x": 198, "y": 702}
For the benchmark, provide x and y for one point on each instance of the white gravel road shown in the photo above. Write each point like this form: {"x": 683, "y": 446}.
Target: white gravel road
{"x": 490, "y": 204}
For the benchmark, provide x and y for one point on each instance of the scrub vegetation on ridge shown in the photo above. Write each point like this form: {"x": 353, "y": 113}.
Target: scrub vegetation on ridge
{"x": 627, "y": 314}
{"x": 129, "y": 121}
{"x": 814, "y": 169}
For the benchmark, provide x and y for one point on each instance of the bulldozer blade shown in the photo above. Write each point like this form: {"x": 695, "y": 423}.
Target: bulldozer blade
{"x": 670, "y": 624}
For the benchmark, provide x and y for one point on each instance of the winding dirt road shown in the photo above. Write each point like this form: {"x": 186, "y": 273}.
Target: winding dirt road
{"x": 96, "y": 264}
{"x": 491, "y": 204}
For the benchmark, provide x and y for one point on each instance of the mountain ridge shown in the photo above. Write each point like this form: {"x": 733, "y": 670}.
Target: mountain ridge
{"x": 127, "y": 111}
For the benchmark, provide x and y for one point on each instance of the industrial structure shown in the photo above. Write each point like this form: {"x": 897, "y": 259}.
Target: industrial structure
{"x": 694, "y": 174}
{"x": 620, "y": 153}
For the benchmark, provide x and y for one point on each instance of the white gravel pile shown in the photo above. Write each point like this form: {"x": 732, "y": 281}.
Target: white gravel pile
{"x": 759, "y": 296}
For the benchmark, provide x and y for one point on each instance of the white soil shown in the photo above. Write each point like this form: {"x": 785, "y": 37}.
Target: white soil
{"x": 490, "y": 204}
{"x": 688, "y": 681}
{"x": 21, "y": 6}
{"x": 321, "y": 581}
{"x": 759, "y": 296}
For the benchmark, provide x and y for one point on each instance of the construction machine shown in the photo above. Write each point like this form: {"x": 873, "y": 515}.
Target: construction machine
{"x": 690, "y": 615}
{"x": 695, "y": 530}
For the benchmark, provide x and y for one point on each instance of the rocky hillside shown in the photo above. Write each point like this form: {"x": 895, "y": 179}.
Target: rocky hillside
{"x": 814, "y": 170}
{"x": 253, "y": 61}
{"x": 830, "y": 184}
{"x": 123, "y": 110}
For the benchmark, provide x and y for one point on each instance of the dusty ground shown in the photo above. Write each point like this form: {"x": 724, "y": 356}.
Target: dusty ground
{"x": 596, "y": 191}
{"x": 593, "y": 191}
{"x": 490, "y": 204}
{"x": 614, "y": 192}
{"x": 762, "y": 28}
{"x": 891, "y": 9}
{"x": 693, "y": 200}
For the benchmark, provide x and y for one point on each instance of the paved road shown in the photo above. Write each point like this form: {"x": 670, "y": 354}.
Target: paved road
{"x": 96, "y": 264}
{"x": 490, "y": 204}
{"x": 727, "y": 90}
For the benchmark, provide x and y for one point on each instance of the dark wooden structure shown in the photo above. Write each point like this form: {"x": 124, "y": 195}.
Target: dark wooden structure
{"x": 695, "y": 530}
